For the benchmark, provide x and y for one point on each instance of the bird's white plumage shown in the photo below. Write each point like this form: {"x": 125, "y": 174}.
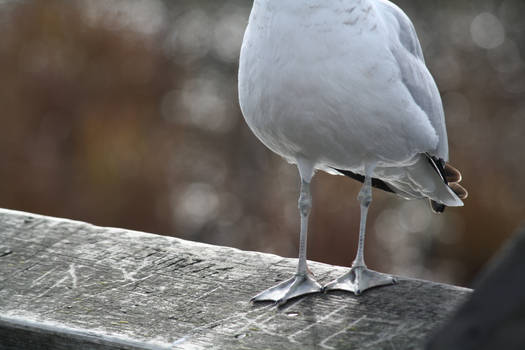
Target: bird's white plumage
{"x": 343, "y": 84}
{"x": 406, "y": 49}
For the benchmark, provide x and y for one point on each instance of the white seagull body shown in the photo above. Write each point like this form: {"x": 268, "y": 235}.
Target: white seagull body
{"x": 342, "y": 86}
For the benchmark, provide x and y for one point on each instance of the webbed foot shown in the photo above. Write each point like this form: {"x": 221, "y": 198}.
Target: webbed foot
{"x": 291, "y": 288}
{"x": 359, "y": 279}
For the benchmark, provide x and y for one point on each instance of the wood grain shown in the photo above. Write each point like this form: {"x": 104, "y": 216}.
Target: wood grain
{"x": 71, "y": 285}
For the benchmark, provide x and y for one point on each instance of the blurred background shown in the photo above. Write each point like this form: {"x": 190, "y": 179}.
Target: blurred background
{"x": 124, "y": 113}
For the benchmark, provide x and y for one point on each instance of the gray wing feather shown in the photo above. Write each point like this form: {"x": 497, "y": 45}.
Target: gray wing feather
{"x": 415, "y": 75}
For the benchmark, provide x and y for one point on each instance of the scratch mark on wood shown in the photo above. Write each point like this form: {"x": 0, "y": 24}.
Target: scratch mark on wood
{"x": 235, "y": 317}
{"x": 319, "y": 320}
{"x": 263, "y": 326}
{"x": 179, "y": 341}
{"x": 37, "y": 281}
{"x": 331, "y": 336}
{"x": 73, "y": 275}
{"x": 53, "y": 286}
{"x": 401, "y": 329}
{"x": 208, "y": 293}
{"x": 129, "y": 276}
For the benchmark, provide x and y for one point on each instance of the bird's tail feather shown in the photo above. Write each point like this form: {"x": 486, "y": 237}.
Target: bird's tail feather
{"x": 451, "y": 178}
{"x": 429, "y": 177}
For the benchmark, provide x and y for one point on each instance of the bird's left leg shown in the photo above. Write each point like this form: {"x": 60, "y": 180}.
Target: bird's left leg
{"x": 360, "y": 278}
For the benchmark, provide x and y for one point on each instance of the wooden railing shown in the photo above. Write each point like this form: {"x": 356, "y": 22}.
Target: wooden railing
{"x": 71, "y": 285}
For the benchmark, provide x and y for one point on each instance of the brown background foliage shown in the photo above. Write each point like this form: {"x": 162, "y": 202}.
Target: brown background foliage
{"x": 125, "y": 113}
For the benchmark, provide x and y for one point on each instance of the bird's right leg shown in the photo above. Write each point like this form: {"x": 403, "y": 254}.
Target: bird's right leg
{"x": 303, "y": 282}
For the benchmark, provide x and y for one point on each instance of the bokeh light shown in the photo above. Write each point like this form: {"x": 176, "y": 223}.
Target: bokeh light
{"x": 125, "y": 113}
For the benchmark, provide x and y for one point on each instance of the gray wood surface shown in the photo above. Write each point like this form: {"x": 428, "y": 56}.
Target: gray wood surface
{"x": 71, "y": 285}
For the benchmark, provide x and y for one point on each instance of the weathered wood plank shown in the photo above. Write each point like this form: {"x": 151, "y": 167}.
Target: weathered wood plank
{"x": 65, "y": 282}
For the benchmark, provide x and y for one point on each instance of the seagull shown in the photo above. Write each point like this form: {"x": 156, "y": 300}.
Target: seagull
{"x": 342, "y": 87}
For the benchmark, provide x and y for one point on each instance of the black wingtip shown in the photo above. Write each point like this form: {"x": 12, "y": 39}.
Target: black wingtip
{"x": 451, "y": 176}
{"x": 437, "y": 208}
